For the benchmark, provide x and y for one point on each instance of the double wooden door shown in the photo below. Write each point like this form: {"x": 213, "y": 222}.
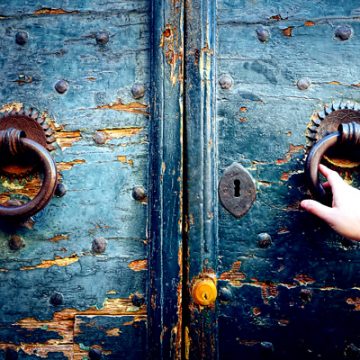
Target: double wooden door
{"x": 144, "y": 105}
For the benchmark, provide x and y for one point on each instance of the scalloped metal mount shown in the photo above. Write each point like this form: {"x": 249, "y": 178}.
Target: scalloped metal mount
{"x": 36, "y": 126}
{"x": 327, "y": 121}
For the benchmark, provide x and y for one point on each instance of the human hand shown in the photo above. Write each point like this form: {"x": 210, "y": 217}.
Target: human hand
{"x": 344, "y": 215}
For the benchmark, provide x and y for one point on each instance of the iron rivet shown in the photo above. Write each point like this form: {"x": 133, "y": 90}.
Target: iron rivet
{"x": 95, "y": 354}
{"x": 16, "y": 242}
{"x": 62, "y": 86}
{"x": 60, "y": 190}
{"x": 262, "y": 34}
{"x": 225, "y": 81}
{"x": 225, "y": 294}
{"x": 343, "y": 32}
{"x": 102, "y": 37}
{"x": 11, "y": 354}
{"x": 139, "y": 193}
{"x": 267, "y": 347}
{"x": 138, "y": 300}
{"x": 56, "y": 299}
{"x": 303, "y": 83}
{"x": 264, "y": 240}
{"x": 99, "y": 245}
{"x": 21, "y": 37}
{"x": 100, "y": 137}
{"x": 138, "y": 91}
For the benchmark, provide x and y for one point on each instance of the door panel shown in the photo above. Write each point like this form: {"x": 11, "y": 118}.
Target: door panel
{"x": 81, "y": 269}
{"x": 288, "y": 285}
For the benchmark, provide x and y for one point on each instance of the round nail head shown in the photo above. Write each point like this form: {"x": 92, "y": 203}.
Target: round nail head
{"x": 225, "y": 294}
{"x": 99, "y": 245}
{"x": 102, "y": 37}
{"x": 56, "y": 299}
{"x": 343, "y": 32}
{"x": 99, "y": 138}
{"x": 137, "y": 300}
{"x": 139, "y": 193}
{"x": 303, "y": 83}
{"x": 60, "y": 190}
{"x": 62, "y": 86}
{"x": 263, "y": 34}
{"x": 264, "y": 240}
{"x": 138, "y": 91}
{"x": 16, "y": 242}
{"x": 225, "y": 81}
{"x": 21, "y": 37}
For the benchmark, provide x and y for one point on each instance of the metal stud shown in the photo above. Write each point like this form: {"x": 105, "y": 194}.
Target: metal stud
{"x": 303, "y": 83}
{"x": 262, "y": 34}
{"x": 102, "y": 37}
{"x": 62, "y": 86}
{"x": 225, "y": 81}
{"x": 56, "y": 299}
{"x": 60, "y": 190}
{"x": 139, "y": 193}
{"x": 225, "y": 294}
{"x": 16, "y": 242}
{"x": 264, "y": 240}
{"x": 343, "y": 32}
{"x": 138, "y": 300}
{"x": 21, "y": 37}
{"x": 100, "y": 137}
{"x": 99, "y": 245}
{"x": 138, "y": 91}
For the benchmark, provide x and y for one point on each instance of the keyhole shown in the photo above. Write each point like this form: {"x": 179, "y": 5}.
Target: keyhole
{"x": 236, "y": 188}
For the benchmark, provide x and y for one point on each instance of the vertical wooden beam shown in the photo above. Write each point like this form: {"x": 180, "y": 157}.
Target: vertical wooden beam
{"x": 201, "y": 182}
{"x": 166, "y": 181}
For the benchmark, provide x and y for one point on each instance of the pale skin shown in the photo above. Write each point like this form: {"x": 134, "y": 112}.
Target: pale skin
{"x": 344, "y": 215}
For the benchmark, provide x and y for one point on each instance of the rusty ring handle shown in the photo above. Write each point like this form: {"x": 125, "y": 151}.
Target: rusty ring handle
{"x": 347, "y": 134}
{"x": 13, "y": 142}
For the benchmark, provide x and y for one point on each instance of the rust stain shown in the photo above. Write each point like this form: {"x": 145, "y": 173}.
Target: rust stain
{"x": 277, "y": 17}
{"x": 309, "y": 23}
{"x": 63, "y": 323}
{"x": 303, "y": 279}
{"x": 113, "y": 332}
{"x": 285, "y": 176}
{"x": 243, "y": 109}
{"x": 256, "y": 311}
{"x": 132, "y": 107}
{"x": 293, "y": 149}
{"x": 173, "y": 52}
{"x": 283, "y": 230}
{"x": 58, "y": 261}
{"x": 334, "y": 82}
{"x": 91, "y": 78}
{"x": 243, "y": 119}
{"x": 138, "y": 265}
{"x": 288, "y": 31}
{"x": 52, "y": 11}
{"x": 68, "y": 165}
{"x": 234, "y": 276}
{"x": 58, "y": 238}
{"x": 355, "y": 302}
{"x": 123, "y": 159}
{"x": 264, "y": 183}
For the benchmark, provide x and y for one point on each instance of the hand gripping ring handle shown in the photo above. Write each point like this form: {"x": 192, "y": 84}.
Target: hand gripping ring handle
{"x": 347, "y": 134}
{"x": 13, "y": 142}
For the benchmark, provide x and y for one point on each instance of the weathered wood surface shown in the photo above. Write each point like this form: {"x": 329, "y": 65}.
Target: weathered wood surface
{"x": 295, "y": 298}
{"x": 59, "y": 256}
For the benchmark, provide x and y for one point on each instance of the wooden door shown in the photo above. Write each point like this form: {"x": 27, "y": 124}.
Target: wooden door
{"x": 259, "y": 75}
{"x": 75, "y": 280}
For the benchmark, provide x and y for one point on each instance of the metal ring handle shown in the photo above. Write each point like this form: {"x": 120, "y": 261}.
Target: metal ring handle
{"x": 13, "y": 142}
{"x": 347, "y": 134}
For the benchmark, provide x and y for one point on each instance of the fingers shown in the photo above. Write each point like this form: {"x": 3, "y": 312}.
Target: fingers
{"x": 323, "y": 212}
{"x": 334, "y": 179}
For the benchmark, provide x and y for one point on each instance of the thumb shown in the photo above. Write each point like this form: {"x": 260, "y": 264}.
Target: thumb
{"x": 323, "y": 212}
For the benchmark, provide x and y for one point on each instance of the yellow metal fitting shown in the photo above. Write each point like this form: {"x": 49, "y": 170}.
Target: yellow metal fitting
{"x": 204, "y": 291}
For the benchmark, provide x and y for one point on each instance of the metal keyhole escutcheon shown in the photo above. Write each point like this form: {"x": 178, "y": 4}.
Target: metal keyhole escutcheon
{"x": 237, "y": 191}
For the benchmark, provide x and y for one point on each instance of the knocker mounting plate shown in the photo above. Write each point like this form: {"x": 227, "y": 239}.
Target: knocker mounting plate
{"x": 326, "y": 122}
{"x": 36, "y": 128}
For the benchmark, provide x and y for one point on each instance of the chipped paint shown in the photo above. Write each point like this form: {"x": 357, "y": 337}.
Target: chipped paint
{"x": 293, "y": 149}
{"x": 58, "y": 261}
{"x": 132, "y": 107}
{"x": 355, "y": 302}
{"x": 58, "y": 238}
{"x": 66, "y": 139}
{"x": 123, "y": 159}
{"x": 234, "y": 276}
{"x": 138, "y": 265}
{"x": 120, "y": 132}
{"x": 54, "y": 11}
{"x": 68, "y": 165}
{"x": 113, "y": 332}
{"x": 303, "y": 279}
{"x": 309, "y": 23}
